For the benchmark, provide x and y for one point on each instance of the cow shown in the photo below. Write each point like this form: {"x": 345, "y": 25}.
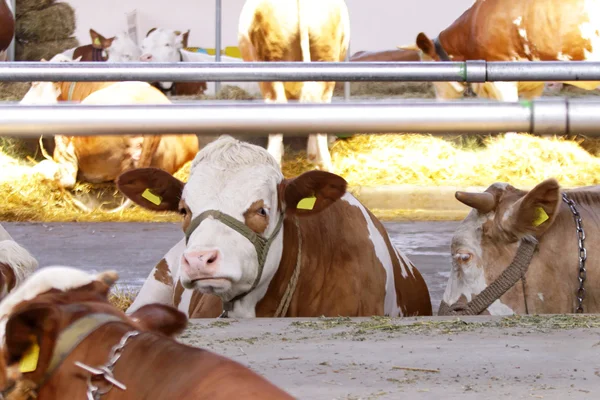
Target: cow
{"x": 396, "y": 55}
{"x": 119, "y": 48}
{"x": 98, "y": 159}
{"x": 517, "y": 251}
{"x": 7, "y": 28}
{"x": 525, "y": 30}
{"x": 16, "y": 263}
{"x": 259, "y": 245}
{"x": 166, "y": 45}
{"x": 294, "y": 30}
{"x": 55, "y": 337}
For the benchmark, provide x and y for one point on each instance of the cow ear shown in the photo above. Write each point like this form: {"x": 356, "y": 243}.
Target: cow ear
{"x": 161, "y": 318}
{"x": 151, "y": 188}
{"x": 426, "y": 45}
{"x": 97, "y": 39}
{"x": 311, "y": 192}
{"x": 31, "y": 333}
{"x": 183, "y": 38}
{"x": 535, "y": 212}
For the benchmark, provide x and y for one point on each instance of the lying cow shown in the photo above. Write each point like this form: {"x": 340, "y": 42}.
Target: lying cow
{"x": 396, "y": 55}
{"x": 536, "y": 234}
{"x": 72, "y": 329}
{"x": 166, "y": 45}
{"x": 525, "y": 30}
{"x": 16, "y": 263}
{"x": 268, "y": 246}
{"x": 7, "y": 27}
{"x": 119, "y": 48}
{"x": 102, "y": 158}
{"x": 291, "y": 30}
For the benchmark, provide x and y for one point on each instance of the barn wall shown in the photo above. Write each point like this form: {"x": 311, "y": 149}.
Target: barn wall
{"x": 375, "y": 25}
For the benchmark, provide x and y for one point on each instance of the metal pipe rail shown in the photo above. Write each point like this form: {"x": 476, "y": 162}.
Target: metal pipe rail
{"x": 469, "y": 71}
{"x": 543, "y": 116}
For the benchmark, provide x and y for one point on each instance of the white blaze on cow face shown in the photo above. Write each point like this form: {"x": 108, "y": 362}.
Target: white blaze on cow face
{"x": 123, "y": 49}
{"x": 163, "y": 45}
{"x": 230, "y": 177}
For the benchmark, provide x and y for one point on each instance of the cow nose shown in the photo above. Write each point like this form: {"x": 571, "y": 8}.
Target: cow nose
{"x": 200, "y": 264}
{"x": 146, "y": 57}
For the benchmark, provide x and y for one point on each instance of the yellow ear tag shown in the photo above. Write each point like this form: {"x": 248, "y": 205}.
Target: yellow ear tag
{"x": 97, "y": 42}
{"x": 540, "y": 216}
{"x": 29, "y": 360}
{"x": 306, "y": 203}
{"x": 151, "y": 197}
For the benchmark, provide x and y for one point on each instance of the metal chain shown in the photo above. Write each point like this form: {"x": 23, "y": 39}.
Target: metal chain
{"x": 106, "y": 371}
{"x": 581, "y": 276}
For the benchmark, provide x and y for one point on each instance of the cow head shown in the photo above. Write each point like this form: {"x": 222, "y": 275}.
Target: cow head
{"x": 40, "y": 320}
{"x": 245, "y": 183}
{"x": 100, "y": 42}
{"x": 163, "y": 45}
{"x": 486, "y": 241}
{"x": 123, "y": 49}
{"x": 46, "y": 92}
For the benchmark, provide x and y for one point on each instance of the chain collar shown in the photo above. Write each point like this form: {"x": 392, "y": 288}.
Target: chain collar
{"x": 105, "y": 371}
{"x": 582, "y": 253}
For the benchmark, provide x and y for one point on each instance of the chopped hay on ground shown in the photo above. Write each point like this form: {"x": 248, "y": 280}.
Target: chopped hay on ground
{"x": 25, "y": 6}
{"x": 387, "y": 89}
{"x": 122, "y": 298}
{"x": 36, "y": 51}
{"x": 52, "y": 23}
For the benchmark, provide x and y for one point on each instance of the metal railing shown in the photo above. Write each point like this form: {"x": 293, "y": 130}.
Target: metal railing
{"x": 469, "y": 71}
{"x": 544, "y": 116}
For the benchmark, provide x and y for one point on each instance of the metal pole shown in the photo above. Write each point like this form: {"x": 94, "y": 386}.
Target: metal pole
{"x": 347, "y": 84}
{"x": 218, "y": 39}
{"x": 258, "y": 118}
{"x": 470, "y": 71}
{"x": 11, "y": 48}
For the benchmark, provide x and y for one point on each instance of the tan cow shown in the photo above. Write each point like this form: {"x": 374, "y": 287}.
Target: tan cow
{"x": 516, "y": 30}
{"x": 296, "y": 30}
{"x": 102, "y": 158}
{"x": 56, "y": 336}
{"x": 268, "y": 246}
{"x": 536, "y": 234}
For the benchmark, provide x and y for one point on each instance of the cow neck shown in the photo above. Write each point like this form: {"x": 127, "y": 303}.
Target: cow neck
{"x": 67, "y": 341}
{"x": 260, "y": 243}
{"x": 98, "y": 55}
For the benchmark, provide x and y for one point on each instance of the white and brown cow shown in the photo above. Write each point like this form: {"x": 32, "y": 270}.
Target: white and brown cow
{"x": 504, "y": 219}
{"x": 296, "y": 30}
{"x": 7, "y": 27}
{"x": 16, "y": 263}
{"x": 268, "y": 246}
{"x": 516, "y": 30}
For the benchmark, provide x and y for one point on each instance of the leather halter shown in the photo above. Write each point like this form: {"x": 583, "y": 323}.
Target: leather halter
{"x": 440, "y": 51}
{"x": 98, "y": 55}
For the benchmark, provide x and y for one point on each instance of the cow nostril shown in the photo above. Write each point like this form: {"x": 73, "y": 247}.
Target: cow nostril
{"x": 212, "y": 259}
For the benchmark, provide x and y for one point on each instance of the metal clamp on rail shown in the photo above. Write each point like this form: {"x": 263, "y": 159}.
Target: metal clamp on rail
{"x": 475, "y": 71}
{"x": 549, "y": 116}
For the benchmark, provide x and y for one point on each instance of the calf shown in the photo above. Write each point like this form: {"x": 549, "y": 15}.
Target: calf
{"x": 56, "y": 339}
{"x": 292, "y": 30}
{"x": 531, "y": 236}
{"x": 268, "y": 246}
{"x": 166, "y": 45}
{"x": 119, "y": 48}
{"x": 525, "y": 30}
{"x": 7, "y": 27}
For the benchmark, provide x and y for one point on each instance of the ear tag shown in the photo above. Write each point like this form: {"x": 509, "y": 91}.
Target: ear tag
{"x": 540, "y": 216}
{"x": 151, "y": 197}
{"x": 306, "y": 203}
{"x": 29, "y": 360}
{"x": 97, "y": 42}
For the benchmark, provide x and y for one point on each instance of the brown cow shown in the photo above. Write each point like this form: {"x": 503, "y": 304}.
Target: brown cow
{"x": 386, "y": 55}
{"x": 7, "y": 28}
{"x": 73, "y": 331}
{"x": 102, "y": 158}
{"x": 519, "y": 30}
{"x": 269, "y": 246}
{"x": 506, "y": 221}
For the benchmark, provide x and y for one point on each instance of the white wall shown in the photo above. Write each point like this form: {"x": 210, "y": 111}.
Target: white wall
{"x": 375, "y": 24}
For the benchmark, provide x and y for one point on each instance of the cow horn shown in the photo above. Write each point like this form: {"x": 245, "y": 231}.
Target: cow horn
{"x": 484, "y": 202}
{"x": 108, "y": 277}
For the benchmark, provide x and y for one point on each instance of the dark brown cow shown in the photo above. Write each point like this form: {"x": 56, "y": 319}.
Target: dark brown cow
{"x": 76, "y": 329}
{"x": 7, "y": 28}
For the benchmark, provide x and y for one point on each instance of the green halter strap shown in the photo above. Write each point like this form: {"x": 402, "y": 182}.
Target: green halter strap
{"x": 261, "y": 244}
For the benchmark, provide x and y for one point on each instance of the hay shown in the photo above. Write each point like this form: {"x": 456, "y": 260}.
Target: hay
{"x": 13, "y": 91}
{"x": 25, "y": 6}
{"x": 53, "y": 23}
{"x": 47, "y": 50}
{"x": 388, "y": 89}
{"x": 122, "y": 298}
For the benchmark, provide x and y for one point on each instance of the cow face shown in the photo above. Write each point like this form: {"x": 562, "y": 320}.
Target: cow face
{"x": 46, "y": 92}
{"x": 486, "y": 241}
{"x": 163, "y": 45}
{"x": 123, "y": 49}
{"x": 244, "y": 182}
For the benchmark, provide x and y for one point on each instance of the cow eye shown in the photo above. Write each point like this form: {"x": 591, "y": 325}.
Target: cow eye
{"x": 183, "y": 211}
{"x": 262, "y": 212}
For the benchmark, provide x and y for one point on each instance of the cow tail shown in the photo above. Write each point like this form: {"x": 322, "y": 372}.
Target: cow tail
{"x": 303, "y": 31}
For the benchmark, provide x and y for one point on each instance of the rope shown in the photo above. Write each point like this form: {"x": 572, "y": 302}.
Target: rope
{"x": 509, "y": 277}
{"x": 284, "y": 304}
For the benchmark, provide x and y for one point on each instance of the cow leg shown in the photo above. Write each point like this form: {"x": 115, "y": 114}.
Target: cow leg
{"x": 274, "y": 92}
{"x": 317, "y": 149}
{"x": 64, "y": 156}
